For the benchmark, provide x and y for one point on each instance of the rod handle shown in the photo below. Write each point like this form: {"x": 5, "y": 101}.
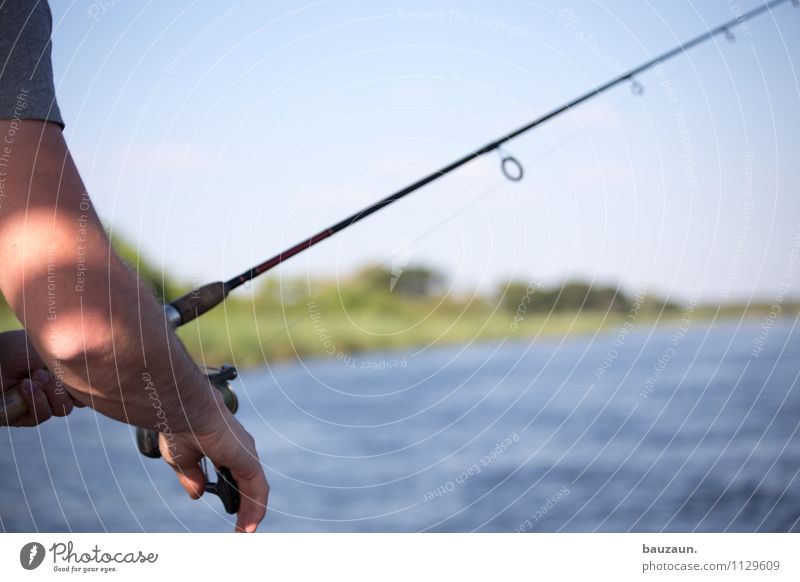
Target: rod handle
{"x": 12, "y": 406}
{"x": 198, "y": 301}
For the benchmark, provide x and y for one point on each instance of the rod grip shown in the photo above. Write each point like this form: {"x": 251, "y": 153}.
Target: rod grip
{"x": 200, "y": 300}
{"x": 12, "y": 406}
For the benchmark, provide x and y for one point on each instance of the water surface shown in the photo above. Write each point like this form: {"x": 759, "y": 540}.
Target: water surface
{"x": 656, "y": 430}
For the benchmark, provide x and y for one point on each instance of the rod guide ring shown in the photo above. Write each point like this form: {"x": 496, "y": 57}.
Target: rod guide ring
{"x": 512, "y": 169}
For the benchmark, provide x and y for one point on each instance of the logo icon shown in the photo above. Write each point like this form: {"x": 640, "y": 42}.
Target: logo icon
{"x": 31, "y": 555}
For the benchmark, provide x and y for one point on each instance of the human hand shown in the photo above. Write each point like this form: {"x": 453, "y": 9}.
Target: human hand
{"x": 227, "y": 444}
{"x": 23, "y": 369}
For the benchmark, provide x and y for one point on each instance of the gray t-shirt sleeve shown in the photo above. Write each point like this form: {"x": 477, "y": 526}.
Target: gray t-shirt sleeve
{"x": 26, "y": 70}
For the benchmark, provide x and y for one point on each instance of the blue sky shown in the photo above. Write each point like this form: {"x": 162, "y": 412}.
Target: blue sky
{"x": 217, "y": 133}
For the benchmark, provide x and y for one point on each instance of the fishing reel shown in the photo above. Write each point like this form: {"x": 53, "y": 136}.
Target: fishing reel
{"x": 225, "y": 487}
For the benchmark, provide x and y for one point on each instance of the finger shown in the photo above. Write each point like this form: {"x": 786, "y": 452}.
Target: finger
{"x": 193, "y": 480}
{"x": 59, "y": 399}
{"x": 37, "y": 402}
{"x": 184, "y": 459}
{"x": 254, "y": 493}
{"x": 27, "y": 420}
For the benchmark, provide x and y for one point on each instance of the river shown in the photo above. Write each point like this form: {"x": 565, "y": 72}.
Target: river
{"x": 650, "y": 429}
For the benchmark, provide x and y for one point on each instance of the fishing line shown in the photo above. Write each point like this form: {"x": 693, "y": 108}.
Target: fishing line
{"x": 638, "y": 90}
{"x": 557, "y": 145}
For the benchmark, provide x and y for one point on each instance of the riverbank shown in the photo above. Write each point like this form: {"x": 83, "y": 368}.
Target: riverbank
{"x": 237, "y": 333}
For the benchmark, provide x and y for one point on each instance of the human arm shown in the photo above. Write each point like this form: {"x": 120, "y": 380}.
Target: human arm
{"x": 96, "y": 325}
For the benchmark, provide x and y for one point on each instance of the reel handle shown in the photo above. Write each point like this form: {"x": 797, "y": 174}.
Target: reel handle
{"x": 226, "y": 489}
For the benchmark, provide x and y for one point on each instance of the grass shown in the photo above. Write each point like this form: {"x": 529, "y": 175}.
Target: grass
{"x": 235, "y": 335}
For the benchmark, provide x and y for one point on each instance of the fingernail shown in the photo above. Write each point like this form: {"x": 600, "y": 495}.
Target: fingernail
{"x": 27, "y": 385}
{"x": 41, "y": 377}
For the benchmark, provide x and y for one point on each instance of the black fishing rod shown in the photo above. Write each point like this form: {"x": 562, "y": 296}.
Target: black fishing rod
{"x": 184, "y": 309}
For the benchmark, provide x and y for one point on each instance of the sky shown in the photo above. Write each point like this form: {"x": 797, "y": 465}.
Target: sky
{"x": 214, "y": 134}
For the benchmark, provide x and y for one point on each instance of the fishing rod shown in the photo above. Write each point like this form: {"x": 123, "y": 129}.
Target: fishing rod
{"x": 184, "y": 309}
{"x": 200, "y": 300}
